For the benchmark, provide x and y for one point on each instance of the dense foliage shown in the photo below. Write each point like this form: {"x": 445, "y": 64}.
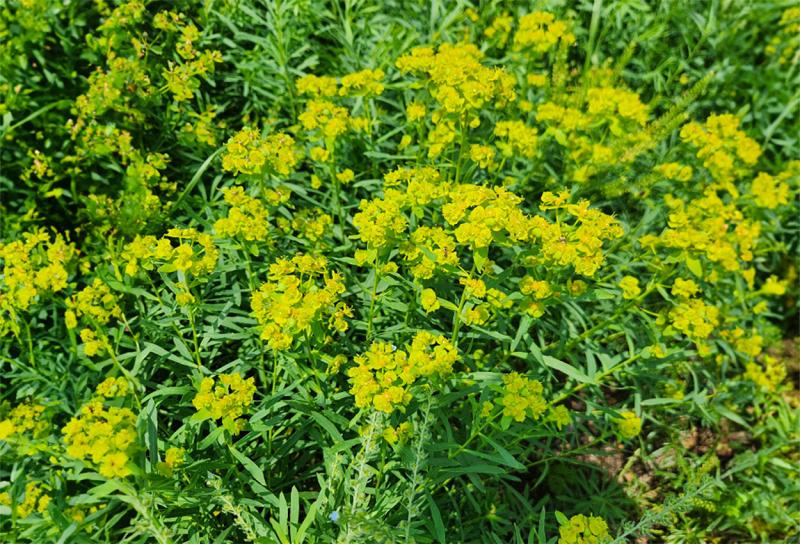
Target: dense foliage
{"x": 399, "y": 271}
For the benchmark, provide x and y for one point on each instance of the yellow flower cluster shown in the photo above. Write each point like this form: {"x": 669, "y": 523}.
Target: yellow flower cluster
{"x": 719, "y": 143}
{"x": 480, "y": 213}
{"x": 94, "y": 343}
{"x": 703, "y": 226}
{"x": 682, "y": 288}
{"x": 602, "y": 136}
{"x": 247, "y": 218}
{"x": 629, "y": 425}
{"x": 540, "y": 32}
{"x": 203, "y": 129}
{"x": 195, "y": 253}
{"x": 95, "y": 303}
{"x": 422, "y": 185}
{"x": 770, "y": 191}
{"x": 181, "y": 78}
{"x": 785, "y": 45}
{"x": 106, "y": 437}
{"x": 538, "y": 289}
{"x": 112, "y": 30}
{"x": 429, "y": 249}
{"x": 312, "y": 224}
{"x": 500, "y": 29}
{"x": 33, "y": 264}
{"x": 36, "y": 500}
{"x": 400, "y": 433}
{"x": 381, "y": 220}
{"x": 482, "y": 155}
{"x": 111, "y": 89}
{"x": 630, "y": 287}
{"x": 473, "y": 287}
{"x": 226, "y": 399}
{"x": 517, "y": 139}
{"x": 614, "y": 104}
{"x": 461, "y": 86}
{"x": 112, "y": 387}
{"x": 536, "y": 80}
{"x": 769, "y": 375}
{"x": 415, "y": 111}
{"x": 41, "y": 166}
{"x": 460, "y": 82}
{"x": 773, "y": 286}
{"x": 560, "y": 416}
{"x": 581, "y": 529}
{"x": 522, "y": 397}
{"x": 429, "y": 300}
{"x": 695, "y": 318}
{"x": 750, "y": 346}
{"x": 23, "y": 418}
{"x": 248, "y": 152}
{"x": 316, "y": 85}
{"x": 476, "y": 312}
{"x": 345, "y": 176}
{"x": 366, "y": 83}
{"x": 100, "y": 140}
{"x": 173, "y": 458}
{"x": 674, "y": 171}
{"x": 578, "y": 244}
{"x": 299, "y": 294}
{"x": 477, "y": 216}
{"x": 384, "y": 375}
{"x": 331, "y": 121}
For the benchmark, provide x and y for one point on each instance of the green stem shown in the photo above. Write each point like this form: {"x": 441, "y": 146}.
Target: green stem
{"x": 337, "y": 205}
{"x": 34, "y": 115}
{"x": 198, "y": 359}
{"x": 462, "y": 146}
{"x": 473, "y": 435}
{"x": 457, "y": 316}
{"x": 373, "y": 297}
{"x": 31, "y": 358}
{"x": 419, "y": 456}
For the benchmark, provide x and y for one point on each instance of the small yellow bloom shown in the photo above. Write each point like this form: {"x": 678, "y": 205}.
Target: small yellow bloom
{"x": 630, "y": 287}
{"x": 629, "y": 424}
{"x": 345, "y": 176}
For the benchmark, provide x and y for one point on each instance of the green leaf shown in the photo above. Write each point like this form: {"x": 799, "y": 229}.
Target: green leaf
{"x": 150, "y": 414}
{"x": 182, "y": 349}
{"x": 326, "y": 424}
{"x": 736, "y": 418}
{"x": 524, "y": 325}
{"x": 122, "y": 288}
{"x": 475, "y": 469}
{"x": 505, "y": 456}
{"x": 567, "y": 369}
{"x": 249, "y": 465}
{"x": 212, "y": 437}
{"x": 661, "y": 401}
{"x": 436, "y": 517}
{"x": 448, "y": 305}
{"x": 694, "y": 266}
{"x": 481, "y": 256}
{"x": 67, "y": 533}
{"x": 294, "y": 510}
{"x": 300, "y": 535}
